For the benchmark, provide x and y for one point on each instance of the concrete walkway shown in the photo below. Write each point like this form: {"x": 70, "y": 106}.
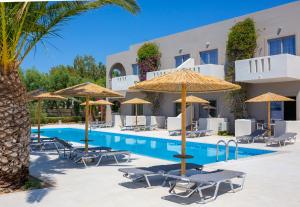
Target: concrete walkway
{"x": 272, "y": 180}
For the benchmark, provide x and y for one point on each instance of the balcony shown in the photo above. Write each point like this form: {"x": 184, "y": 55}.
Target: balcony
{"x": 276, "y": 68}
{"x": 122, "y": 83}
{"x": 216, "y": 71}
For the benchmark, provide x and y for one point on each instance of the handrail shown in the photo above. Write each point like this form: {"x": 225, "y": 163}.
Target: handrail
{"x": 217, "y": 152}
{"x": 236, "y": 148}
{"x": 227, "y": 149}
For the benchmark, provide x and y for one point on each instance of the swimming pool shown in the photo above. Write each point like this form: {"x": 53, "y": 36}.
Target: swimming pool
{"x": 152, "y": 147}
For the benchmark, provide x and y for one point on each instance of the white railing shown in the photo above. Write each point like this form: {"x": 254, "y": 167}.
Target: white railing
{"x": 274, "y": 68}
{"x": 122, "y": 83}
{"x": 207, "y": 69}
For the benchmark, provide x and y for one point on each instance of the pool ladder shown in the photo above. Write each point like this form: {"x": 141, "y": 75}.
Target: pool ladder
{"x": 227, "y": 148}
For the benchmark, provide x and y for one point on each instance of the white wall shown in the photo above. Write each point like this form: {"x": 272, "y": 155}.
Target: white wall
{"x": 122, "y": 83}
{"x": 244, "y": 127}
{"x": 214, "y": 124}
{"x": 282, "y": 127}
{"x": 174, "y": 123}
{"x": 207, "y": 69}
{"x": 276, "y": 68}
{"x": 159, "y": 121}
{"x": 131, "y": 120}
{"x": 117, "y": 120}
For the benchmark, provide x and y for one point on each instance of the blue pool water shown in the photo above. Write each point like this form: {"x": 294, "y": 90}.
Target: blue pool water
{"x": 152, "y": 147}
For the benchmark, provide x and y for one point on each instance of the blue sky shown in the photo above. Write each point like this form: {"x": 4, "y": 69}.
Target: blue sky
{"x": 110, "y": 30}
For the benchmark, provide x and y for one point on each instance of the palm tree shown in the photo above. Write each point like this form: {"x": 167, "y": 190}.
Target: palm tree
{"x": 22, "y": 26}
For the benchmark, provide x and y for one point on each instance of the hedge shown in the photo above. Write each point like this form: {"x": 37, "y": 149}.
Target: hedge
{"x": 66, "y": 119}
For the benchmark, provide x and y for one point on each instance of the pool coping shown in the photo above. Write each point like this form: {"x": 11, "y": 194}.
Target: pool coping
{"x": 270, "y": 153}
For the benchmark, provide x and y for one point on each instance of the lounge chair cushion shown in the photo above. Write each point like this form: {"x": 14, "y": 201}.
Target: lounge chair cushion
{"x": 215, "y": 176}
{"x": 158, "y": 168}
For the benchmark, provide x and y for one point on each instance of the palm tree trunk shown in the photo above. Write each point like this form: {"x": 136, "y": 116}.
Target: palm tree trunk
{"x": 14, "y": 133}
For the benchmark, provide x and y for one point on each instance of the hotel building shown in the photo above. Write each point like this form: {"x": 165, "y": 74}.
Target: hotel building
{"x": 275, "y": 67}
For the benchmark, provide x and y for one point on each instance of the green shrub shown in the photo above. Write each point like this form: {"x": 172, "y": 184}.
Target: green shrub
{"x": 148, "y": 50}
{"x": 67, "y": 119}
{"x": 32, "y": 184}
{"x": 224, "y": 133}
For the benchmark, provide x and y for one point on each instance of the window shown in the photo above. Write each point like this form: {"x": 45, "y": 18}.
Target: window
{"x": 140, "y": 109}
{"x": 116, "y": 107}
{"x": 135, "y": 69}
{"x": 283, "y": 45}
{"x": 209, "y": 57}
{"x": 181, "y": 59}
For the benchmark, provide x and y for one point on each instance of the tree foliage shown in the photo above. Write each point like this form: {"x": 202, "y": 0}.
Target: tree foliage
{"x": 33, "y": 79}
{"x": 241, "y": 44}
{"x": 84, "y": 69}
{"x": 148, "y": 59}
{"x": 86, "y": 66}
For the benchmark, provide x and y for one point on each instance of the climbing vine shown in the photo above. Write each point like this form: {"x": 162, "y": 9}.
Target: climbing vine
{"x": 241, "y": 44}
{"x": 148, "y": 61}
{"x": 154, "y": 99}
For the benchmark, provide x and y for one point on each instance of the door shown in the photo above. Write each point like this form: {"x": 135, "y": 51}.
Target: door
{"x": 290, "y": 109}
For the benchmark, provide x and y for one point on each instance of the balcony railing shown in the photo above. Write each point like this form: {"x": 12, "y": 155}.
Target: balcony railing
{"x": 277, "y": 68}
{"x": 122, "y": 83}
{"x": 207, "y": 69}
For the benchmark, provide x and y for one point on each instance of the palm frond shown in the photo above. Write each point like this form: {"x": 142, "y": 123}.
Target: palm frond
{"x": 24, "y": 25}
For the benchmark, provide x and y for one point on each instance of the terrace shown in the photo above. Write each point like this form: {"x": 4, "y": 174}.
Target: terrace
{"x": 123, "y": 82}
{"x": 276, "y": 68}
{"x": 76, "y": 186}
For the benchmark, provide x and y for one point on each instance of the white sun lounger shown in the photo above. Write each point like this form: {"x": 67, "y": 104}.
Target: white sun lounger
{"x": 282, "y": 139}
{"x": 256, "y": 135}
{"x": 144, "y": 173}
{"x": 113, "y": 154}
{"x": 188, "y": 185}
{"x": 42, "y": 145}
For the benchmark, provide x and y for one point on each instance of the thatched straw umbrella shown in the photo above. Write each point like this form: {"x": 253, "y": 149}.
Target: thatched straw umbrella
{"x": 98, "y": 103}
{"x": 87, "y": 90}
{"x": 39, "y": 96}
{"x": 191, "y": 100}
{"x": 268, "y": 98}
{"x": 136, "y": 102}
{"x": 183, "y": 81}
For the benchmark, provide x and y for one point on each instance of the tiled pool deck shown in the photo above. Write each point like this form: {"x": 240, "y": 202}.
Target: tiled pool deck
{"x": 272, "y": 180}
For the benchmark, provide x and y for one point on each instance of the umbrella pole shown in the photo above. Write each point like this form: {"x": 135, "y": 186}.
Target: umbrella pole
{"x": 90, "y": 115}
{"x": 269, "y": 118}
{"x": 183, "y": 128}
{"x": 39, "y": 121}
{"x": 86, "y": 146}
{"x": 191, "y": 117}
{"x": 101, "y": 109}
{"x": 136, "y": 114}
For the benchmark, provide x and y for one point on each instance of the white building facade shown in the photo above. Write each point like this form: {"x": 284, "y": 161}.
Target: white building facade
{"x": 275, "y": 68}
